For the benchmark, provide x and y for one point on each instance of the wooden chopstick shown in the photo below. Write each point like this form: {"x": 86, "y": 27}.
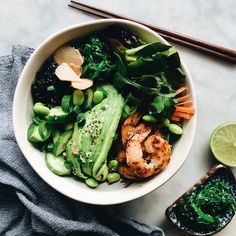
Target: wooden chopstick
{"x": 190, "y": 42}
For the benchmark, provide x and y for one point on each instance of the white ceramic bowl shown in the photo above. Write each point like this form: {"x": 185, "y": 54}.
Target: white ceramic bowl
{"x": 22, "y": 116}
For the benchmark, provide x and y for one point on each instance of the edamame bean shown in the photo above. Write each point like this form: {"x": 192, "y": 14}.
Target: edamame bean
{"x": 40, "y": 109}
{"x": 113, "y": 165}
{"x": 113, "y": 177}
{"x": 98, "y": 97}
{"x": 78, "y": 97}
{"x": 126, "y": 109}
{"x": 91, "y": 182}
{"x": 175, "y": 129}
{"x": 149, "y": 118}
{"x": 166, "y": 122}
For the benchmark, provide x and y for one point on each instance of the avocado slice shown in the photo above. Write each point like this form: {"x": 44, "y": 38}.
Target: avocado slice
{"x": 95, "y": 138}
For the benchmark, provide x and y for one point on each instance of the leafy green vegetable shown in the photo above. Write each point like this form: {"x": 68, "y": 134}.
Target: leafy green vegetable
{"x": 148, "y": 50}
{"x": 121, "y": 81}
{"x": 98, "y": 61}
{"x": 151, "y": 77}
{"x": 162, "y": 104}
{"x": 120, "y": 67}
{"x": 152, "y": 58}
{"x": 207, "y": 204}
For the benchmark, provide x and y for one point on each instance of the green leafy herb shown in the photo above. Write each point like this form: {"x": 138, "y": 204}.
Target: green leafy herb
{"x": 163, "y": 104}
{"x": 148, "y": 50}
{"x": 146, "y": 74}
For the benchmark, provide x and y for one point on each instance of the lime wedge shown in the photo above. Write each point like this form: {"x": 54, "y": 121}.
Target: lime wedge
{"x": 223, "y": 143}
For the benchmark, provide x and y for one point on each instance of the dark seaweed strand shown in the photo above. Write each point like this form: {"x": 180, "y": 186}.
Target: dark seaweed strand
{"x": 98, "y": 59}
{"x": 46, "y": 77}
{"x": 99, "y": 64}
{"x": 211, "y": 201}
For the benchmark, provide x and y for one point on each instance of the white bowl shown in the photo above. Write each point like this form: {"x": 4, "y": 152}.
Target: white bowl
{"x": 22, "y": 116}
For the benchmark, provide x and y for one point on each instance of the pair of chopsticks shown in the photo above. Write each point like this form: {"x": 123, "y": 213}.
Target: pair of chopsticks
{"x": 225, "y": 54}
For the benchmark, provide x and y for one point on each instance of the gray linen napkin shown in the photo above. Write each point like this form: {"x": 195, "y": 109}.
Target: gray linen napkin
{"x": 28, "y": 206}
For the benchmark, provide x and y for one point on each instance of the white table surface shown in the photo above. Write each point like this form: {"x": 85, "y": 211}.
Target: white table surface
{"x": 29, "y": 22}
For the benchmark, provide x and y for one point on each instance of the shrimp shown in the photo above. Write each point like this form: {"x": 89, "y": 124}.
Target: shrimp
{"x": 144, "y": 151}
{"x": 127, "y": 172}
{"x": 126, "y": 133}
{"x": 133, "y": 119}
{"x": 121, "y": 158}
{"x": 141, "y": 132}
{"x": 158, "y": 155}
{"x": 128, "y": 127}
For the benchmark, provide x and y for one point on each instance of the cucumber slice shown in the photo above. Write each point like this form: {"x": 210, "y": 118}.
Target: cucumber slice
{"x": 57, "y": 116}
{"x": 30, "y": 131}
{"x": 57, "y": 165}
{"x": 38, "y": 133}
{"x": 61, "y": 142}
{"x": 45, "y": 130}
{"x": 33, "y": 134}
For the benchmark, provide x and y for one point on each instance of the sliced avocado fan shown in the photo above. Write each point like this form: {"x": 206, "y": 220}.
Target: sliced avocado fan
{"x": 95, "y": 138}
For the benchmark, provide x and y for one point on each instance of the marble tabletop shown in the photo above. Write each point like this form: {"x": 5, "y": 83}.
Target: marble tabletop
{"x": 29, "y": 22}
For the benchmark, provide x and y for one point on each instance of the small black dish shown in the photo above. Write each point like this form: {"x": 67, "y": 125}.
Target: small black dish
{"x": 174, "y": 213}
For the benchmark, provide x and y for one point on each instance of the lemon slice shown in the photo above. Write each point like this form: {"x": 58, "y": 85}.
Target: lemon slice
{"x": 223, "y": 143}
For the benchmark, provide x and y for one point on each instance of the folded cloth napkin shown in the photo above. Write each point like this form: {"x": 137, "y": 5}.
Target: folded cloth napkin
{"x": 28, "y": 206}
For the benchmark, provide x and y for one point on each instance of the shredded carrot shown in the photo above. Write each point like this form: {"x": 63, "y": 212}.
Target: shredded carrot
{"x": 183, "y": 99}
{"x": 183, "y": 115}
{"x": 186, "y": 104}
{"x": 181, "y": 90}
{"x": 175, "y": 118}
{"x": 188, "y": 110}
{"x": 183, "y": 107}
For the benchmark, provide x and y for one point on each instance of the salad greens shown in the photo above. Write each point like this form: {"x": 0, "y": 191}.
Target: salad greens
{"x": 78, "y": 127}
{"x": 147, "y": 78}
{"x": 206, "y": 205}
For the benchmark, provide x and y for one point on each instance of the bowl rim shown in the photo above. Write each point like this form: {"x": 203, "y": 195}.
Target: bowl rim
{"x": 211, "y": 172}
{"x": 20, "y": 143}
